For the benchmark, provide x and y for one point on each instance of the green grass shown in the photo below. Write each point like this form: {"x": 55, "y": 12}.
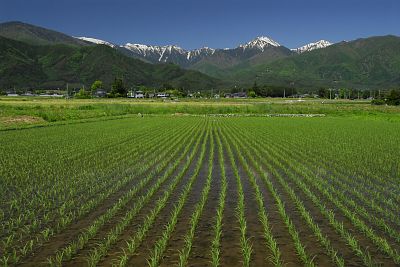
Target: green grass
{"x": 28, "y": 112}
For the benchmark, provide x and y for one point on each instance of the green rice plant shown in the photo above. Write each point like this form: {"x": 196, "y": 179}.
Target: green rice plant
{"x": 67, "y": 217}
{"x": 216, "y": 242}
{"x": 271, "y": 243}
{"x": 135, "y": 241}
{"x": 185, "y": 252}
{"x": 245, "y": 243}
{"x": 160, "y": 246}
{"x": 70, "y": 250}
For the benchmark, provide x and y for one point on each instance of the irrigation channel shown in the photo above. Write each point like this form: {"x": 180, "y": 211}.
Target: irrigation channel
{"x": 202, "y": 191}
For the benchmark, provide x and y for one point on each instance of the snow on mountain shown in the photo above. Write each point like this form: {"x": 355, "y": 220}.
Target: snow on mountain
{"x": 312, "y": 46}
{"x": 200, "y": 51}
{"x": 162, "y": 52}
{"x": 260, "y": 43}
{"x": 143, "y": 50}
{"x": 96, "y": 41}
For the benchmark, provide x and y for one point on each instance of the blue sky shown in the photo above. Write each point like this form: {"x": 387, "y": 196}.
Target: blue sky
{"x": 214, "y": 23}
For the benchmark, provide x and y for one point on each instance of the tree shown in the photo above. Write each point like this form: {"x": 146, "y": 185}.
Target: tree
{"x": 82, "y": 94}
{"x": 96, "y": 85}
{"x": 393, "y": 98}
{"x": 324, "y": 93}
{"x": 255, "y": 87}
{"x": 118, "y": 88}
{"x": 252, "y": 94}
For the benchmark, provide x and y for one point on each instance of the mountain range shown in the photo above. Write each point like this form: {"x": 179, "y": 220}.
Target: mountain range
{"x": 34, "y": 57}
{"x": 57, "y": 58}
{"x": 209, "y": 60}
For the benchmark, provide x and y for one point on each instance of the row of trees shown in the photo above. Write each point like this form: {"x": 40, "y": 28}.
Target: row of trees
{"x": 119, "y": 89}
{"x": 389, "y": 98}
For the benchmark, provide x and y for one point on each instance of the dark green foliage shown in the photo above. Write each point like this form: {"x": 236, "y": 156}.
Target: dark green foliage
{"x": 393, "y": 98}
{"x": 252, "y": 94}
{"x": 83, "y": 94}
{"x": 365, "y": 63}
{"x": 96, "y": 85}
{"x": 118, "y": 89}
{"x": 28, "y": 66}
{"x": 378, "y": 102}
{"x": 36, "y": 35}
{"x": 224, "y": 62}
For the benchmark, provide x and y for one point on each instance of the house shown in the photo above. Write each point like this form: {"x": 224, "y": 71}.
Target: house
{"x": 100, "y": 93}
{"x": 236, "y": 95}
{"x": 136, "y": 94}
{"x": 162, "y": 95}
{"x": 28, "y": 94}
{"x": 240, "y": 95}
{"x": 139, "y": 94}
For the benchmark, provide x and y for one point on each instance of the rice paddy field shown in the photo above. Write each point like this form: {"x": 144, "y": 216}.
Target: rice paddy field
{"x": 204, "y": 190}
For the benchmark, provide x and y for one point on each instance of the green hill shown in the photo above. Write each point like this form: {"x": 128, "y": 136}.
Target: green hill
{"x": 364, "y": 63}
{"x": 51, "y": 66}
{"x": 32, "y": 34}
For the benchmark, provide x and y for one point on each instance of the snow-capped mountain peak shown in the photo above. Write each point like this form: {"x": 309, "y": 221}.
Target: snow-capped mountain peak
{"x": 96, "y": 41}
{"x": 312, "y": 46}
{"x": 260, "y": 43}
{"x": 161, "y": 52}
{"x": 200, "y": 51}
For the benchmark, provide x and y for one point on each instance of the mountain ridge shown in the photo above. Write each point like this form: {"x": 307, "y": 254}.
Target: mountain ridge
{"x": 362, "y": 63}
{"x": 53, "y": 66}
{"x": 37, "y": 35}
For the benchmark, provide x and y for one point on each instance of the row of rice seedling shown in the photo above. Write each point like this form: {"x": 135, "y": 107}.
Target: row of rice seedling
{"x": 134, "y": 242}
{"x": 245, "y": 243}
{"x": 128, "y": 171}
{"x": 343, "y": 192}
{"x": 336, "y": 158}
{"x": 100, "y": 250}
{"x": 163, "y": 166}
{"x": 33, "y": 209}
{"x": 328, "y": 191}
{"x": 271, "y": 244}
{"x": 350, "y": 193}
{"x": 216, "y": 241}
{"x": 185, "y": 252}
{"x": 357, "y": 188}
{"x": 25, "y": 186}
{"x": 300, "y": 248}
{"x": 348, "y": 237}
{"x": 257, "y": 161}
{"x": 344, "y": 179}
{"x": 65, "y": 217}
{"x": 379, "y": 241}
{"x": 159, "y": 248}
{"x": 43, "y": 195}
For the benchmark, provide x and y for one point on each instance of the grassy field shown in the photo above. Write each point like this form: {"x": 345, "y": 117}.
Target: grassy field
{"x": 18, "y": 112}
{"x": 160, "y": 190}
